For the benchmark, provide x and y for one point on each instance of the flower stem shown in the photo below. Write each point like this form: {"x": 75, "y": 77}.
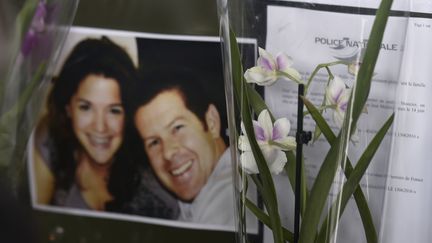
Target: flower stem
{"x": 282, "y": 146}
{"x": 321, "y": 108}
{"x": 298, "y": 81}
{"x": 319, "y": 67}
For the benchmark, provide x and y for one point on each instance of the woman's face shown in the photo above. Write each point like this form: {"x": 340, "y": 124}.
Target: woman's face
{"x": 97, "y": 117}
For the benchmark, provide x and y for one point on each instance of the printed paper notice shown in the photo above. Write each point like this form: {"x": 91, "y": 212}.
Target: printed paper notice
{"x": 399, "y": 174}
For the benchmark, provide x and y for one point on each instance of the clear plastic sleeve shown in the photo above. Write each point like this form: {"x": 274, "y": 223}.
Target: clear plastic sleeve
{"x": 348, "y": 57}
{"x": 31, "y": 41}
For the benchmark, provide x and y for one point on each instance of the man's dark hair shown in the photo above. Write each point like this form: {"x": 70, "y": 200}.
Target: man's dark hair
{"x": 187, "y": 83}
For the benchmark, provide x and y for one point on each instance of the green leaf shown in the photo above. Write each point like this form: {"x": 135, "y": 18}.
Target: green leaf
{"x": 317, "y": 133}
{"x": 256, "y": 101}
{"x": 258, "y": 104}
{"x": 290, "y": 170}
{"x": 263, "y": 217}
{"x": 359, "y": 196}
{"x": 9, "y": 119}
{"x": 319, "y": 120}
{"x": 352, "y": 184}
{"x": 257, "y": 181}
{"x": 319, "y": 193}
{"x": 362, "y": 87}
{"x": 236, "y": 68}
{"x": 269, "y": 192}
{"x": 325, "y": 177}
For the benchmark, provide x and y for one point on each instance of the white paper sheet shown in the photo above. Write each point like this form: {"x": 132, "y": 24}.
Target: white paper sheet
{"x": 408, "y": 207}
{"x": 400, "y": 83}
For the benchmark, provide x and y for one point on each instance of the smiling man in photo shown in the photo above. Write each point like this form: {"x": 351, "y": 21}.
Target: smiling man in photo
{"x": 180, "y": 128}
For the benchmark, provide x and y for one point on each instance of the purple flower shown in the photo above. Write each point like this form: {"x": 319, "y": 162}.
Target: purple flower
{"x": 272, "y": 140}
{"x": 37, "y": 28}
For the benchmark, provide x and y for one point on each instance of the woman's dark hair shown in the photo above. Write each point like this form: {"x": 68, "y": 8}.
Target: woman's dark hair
{"x": 98, "y": 57}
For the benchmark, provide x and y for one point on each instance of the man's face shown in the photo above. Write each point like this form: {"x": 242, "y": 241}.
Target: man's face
{"x": 181, "y": 151}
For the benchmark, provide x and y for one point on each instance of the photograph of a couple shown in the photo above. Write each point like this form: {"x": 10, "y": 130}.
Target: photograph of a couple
{"x": 135, "y": 126}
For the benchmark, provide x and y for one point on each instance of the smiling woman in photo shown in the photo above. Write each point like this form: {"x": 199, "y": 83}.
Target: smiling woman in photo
{"x": 80, "y": 157}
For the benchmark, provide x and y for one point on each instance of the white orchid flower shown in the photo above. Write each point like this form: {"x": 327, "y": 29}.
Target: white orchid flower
{"x": 353, "y": 68}
{"x": 337, "y": 96}
{"x": 272, "y": 140}
{"x": 353, "y": 59}
{"x": 270, "y": 69}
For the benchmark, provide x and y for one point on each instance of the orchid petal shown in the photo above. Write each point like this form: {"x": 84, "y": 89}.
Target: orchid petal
{"x": 328, "y": 97}
{"x": 266, "y": 64}
{"x": 338, "y": 117}
{"x": 260, "y": 134}
{"x": 266, "y": 123}
{"x": 265, "y": 133}
{"x": 355, "y": 138}
{"x": 289, "y": 143}
{"x": 344, "y": 98}
{"x": 281, "y": 128}
{"x": 283, "y": 61}
{"x": 284, "y": 64}
{"x": 260, "y": 76}
{"x": 242, "y": 127}
{"x": 248, "y": 163}
{"x": 277, "y": 160}
{"x": 265, "y": 73}
{"x": 243, "y": 143}
{"x": 338, "y": 94}
{"x": 266, "y": 60}
{"x": 334, "y": 90}
{"x": 30, "y": 41}
{"x": 38, "y": 22}
{"x": 292, "y": 72}
{"x": 270, "y": 154}
{"x": 353, "y": 68}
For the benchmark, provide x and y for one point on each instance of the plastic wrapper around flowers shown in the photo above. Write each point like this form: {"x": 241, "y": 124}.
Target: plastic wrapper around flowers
{"x": 332, "y": 188}
{"x": 30, "y": 43}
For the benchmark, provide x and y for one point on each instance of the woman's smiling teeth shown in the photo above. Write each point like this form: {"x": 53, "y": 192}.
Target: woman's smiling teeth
{"x": 99, "y": 141}
{"x": 182, "y": 169}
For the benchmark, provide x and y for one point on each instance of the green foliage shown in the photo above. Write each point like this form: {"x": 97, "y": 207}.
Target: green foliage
{"x": 268, "y": 192}
{"x": 250, "y": 102}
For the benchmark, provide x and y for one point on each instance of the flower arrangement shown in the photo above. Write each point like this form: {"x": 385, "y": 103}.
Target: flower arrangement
{"x": 31, "y": 50}
{"x": 266, "y": 148}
